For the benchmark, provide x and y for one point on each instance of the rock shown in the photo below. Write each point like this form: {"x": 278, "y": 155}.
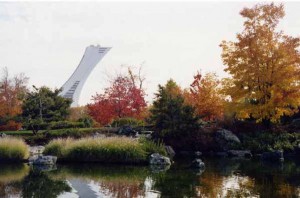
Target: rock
{"x": 197, "y": 163}
{"x": 43, "y": 160}
{"x": 198, "y": 153}
{"x": 98, "y": 135}
{"x": 157, "y": 159}
{"x": 170, "y": 151}
{"x": 127, "y": 130}
{"x": 159, "y": 168}
{"x": 226, "y": 139}
{"x": 35, "y": 150}
{"x": 239, "y": 153}
{"x": 44, "y": 167}
{"x": 276, "y": 156}
{"x": 3, "y": 135}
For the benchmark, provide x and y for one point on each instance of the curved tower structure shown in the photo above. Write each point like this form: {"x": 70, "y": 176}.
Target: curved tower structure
{"x": 72, "y": 88}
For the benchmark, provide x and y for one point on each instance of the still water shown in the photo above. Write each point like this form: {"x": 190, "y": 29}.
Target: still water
{"x": 221, "y": 178}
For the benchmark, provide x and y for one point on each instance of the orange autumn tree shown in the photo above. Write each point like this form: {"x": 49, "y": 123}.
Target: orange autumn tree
{"x": 11, "y": 92}
{"x": 264, "y": 65}
{"x": 204, "y": 95}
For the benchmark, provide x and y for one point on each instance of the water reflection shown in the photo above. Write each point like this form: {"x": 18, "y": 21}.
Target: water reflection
{"x": 222, "y": 178}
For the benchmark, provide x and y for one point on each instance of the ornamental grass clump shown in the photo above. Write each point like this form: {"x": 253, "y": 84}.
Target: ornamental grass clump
{"x": 106, "y": 150}
{"x": 13, "y": 149}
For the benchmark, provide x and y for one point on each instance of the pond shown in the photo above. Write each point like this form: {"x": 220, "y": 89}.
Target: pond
{"x": 221, "y": 178}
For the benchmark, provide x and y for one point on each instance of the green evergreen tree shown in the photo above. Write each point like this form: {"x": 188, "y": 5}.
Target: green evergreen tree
{"x": 42, "y": 106}
{"x": 172, "y": 118}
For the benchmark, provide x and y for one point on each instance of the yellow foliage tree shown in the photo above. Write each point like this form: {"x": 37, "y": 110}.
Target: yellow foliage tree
{"x": 264, "y": 65}
{"x": 204, "y": 95}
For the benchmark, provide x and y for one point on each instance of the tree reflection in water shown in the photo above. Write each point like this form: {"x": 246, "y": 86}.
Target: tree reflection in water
{"x": 222, "y": 178}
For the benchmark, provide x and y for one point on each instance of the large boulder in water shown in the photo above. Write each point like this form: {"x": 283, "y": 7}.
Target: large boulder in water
{"x": 198, "y": 163}
{"x": 36, "y": 150}
{"x": 276, "y": 156}
{"x": 157, "y": 159}
{"x": 239, "y": 153}
{"x": 226, "y": 139}
{"x": 43, "y": 160}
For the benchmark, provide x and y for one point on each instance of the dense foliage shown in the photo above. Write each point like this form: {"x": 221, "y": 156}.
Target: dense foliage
{"x": 121, "y": 99}
{"x": 204, "y": 94}
{"x": 264, "y": 65}
{"x": 44, "y": 106}
{"x": 127, "y": 122}
{"x": 171, "y": 117}
{"x": 12, "y": 91}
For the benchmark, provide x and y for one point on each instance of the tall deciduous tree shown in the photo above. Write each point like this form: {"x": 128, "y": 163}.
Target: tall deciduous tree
{"x": 264, "y": 65}
{"x": 204, "y": 95}
{"x": 121, "y": 99}
{"x": 12, "y": 91}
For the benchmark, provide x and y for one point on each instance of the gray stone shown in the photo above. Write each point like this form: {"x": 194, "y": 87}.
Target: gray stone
{"x": 127, "y": 130}
{"x": 226, "y": 139}
{"x": 98, "y": 135}
{"x": 43, "y": 160}
{"x": 170, "y": 151}
{"x": 159, "y": 168}
{"x": 3, "y": 135}
{"x": 35, "y": 150}
{"x": 157, "y": 159}
{"x": 276, "y": 156}
{"x": 44, "y": 167}
{"x": 197, "y": 163}
{"x": 240, "y": 153}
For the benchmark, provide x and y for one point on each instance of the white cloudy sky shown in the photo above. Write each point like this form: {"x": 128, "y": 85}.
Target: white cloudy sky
{"x": 171, "y": 39}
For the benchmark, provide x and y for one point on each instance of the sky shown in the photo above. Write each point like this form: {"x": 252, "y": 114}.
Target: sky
{"x": 46, "y": 40}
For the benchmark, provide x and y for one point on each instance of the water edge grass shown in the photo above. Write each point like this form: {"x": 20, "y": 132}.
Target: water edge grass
{"x": 13, "y": 149}
{"x": 107, "y": 150}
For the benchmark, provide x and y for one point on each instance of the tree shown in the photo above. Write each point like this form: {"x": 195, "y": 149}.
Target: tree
{"x": 172, "y": 118}
{"x": 121, "y": 99}
{"x": 264, "y": 66}
{"x": 42, "y": 106}
{"x": 12, "y": 91}
{"x": 204, "y": 95}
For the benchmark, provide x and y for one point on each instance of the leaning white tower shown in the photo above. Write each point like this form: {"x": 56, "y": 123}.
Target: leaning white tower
{"x": 92, "y": 56}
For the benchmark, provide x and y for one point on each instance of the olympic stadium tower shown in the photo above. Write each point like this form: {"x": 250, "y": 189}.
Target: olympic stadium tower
{"x": 72, "y": 88}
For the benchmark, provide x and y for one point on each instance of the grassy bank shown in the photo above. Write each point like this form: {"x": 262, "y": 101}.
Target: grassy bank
{"x": 13, "y": 149}
{"x": 106, "y": 150}
{"x": 44, "y": 136}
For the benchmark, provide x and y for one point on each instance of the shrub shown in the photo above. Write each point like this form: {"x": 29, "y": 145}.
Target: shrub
{"x": 72, "y": 132}
{"x": 87, "y": 121}
{"x": 13, "y": 149}
{"x": 10, "y": 125}
{"x": 66, "y": 125}
{"x": 153, "y": 147}
{"x": 107, "y": 150}
{"x": 127, "y": 121}
{"x": 268, "y": 141}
